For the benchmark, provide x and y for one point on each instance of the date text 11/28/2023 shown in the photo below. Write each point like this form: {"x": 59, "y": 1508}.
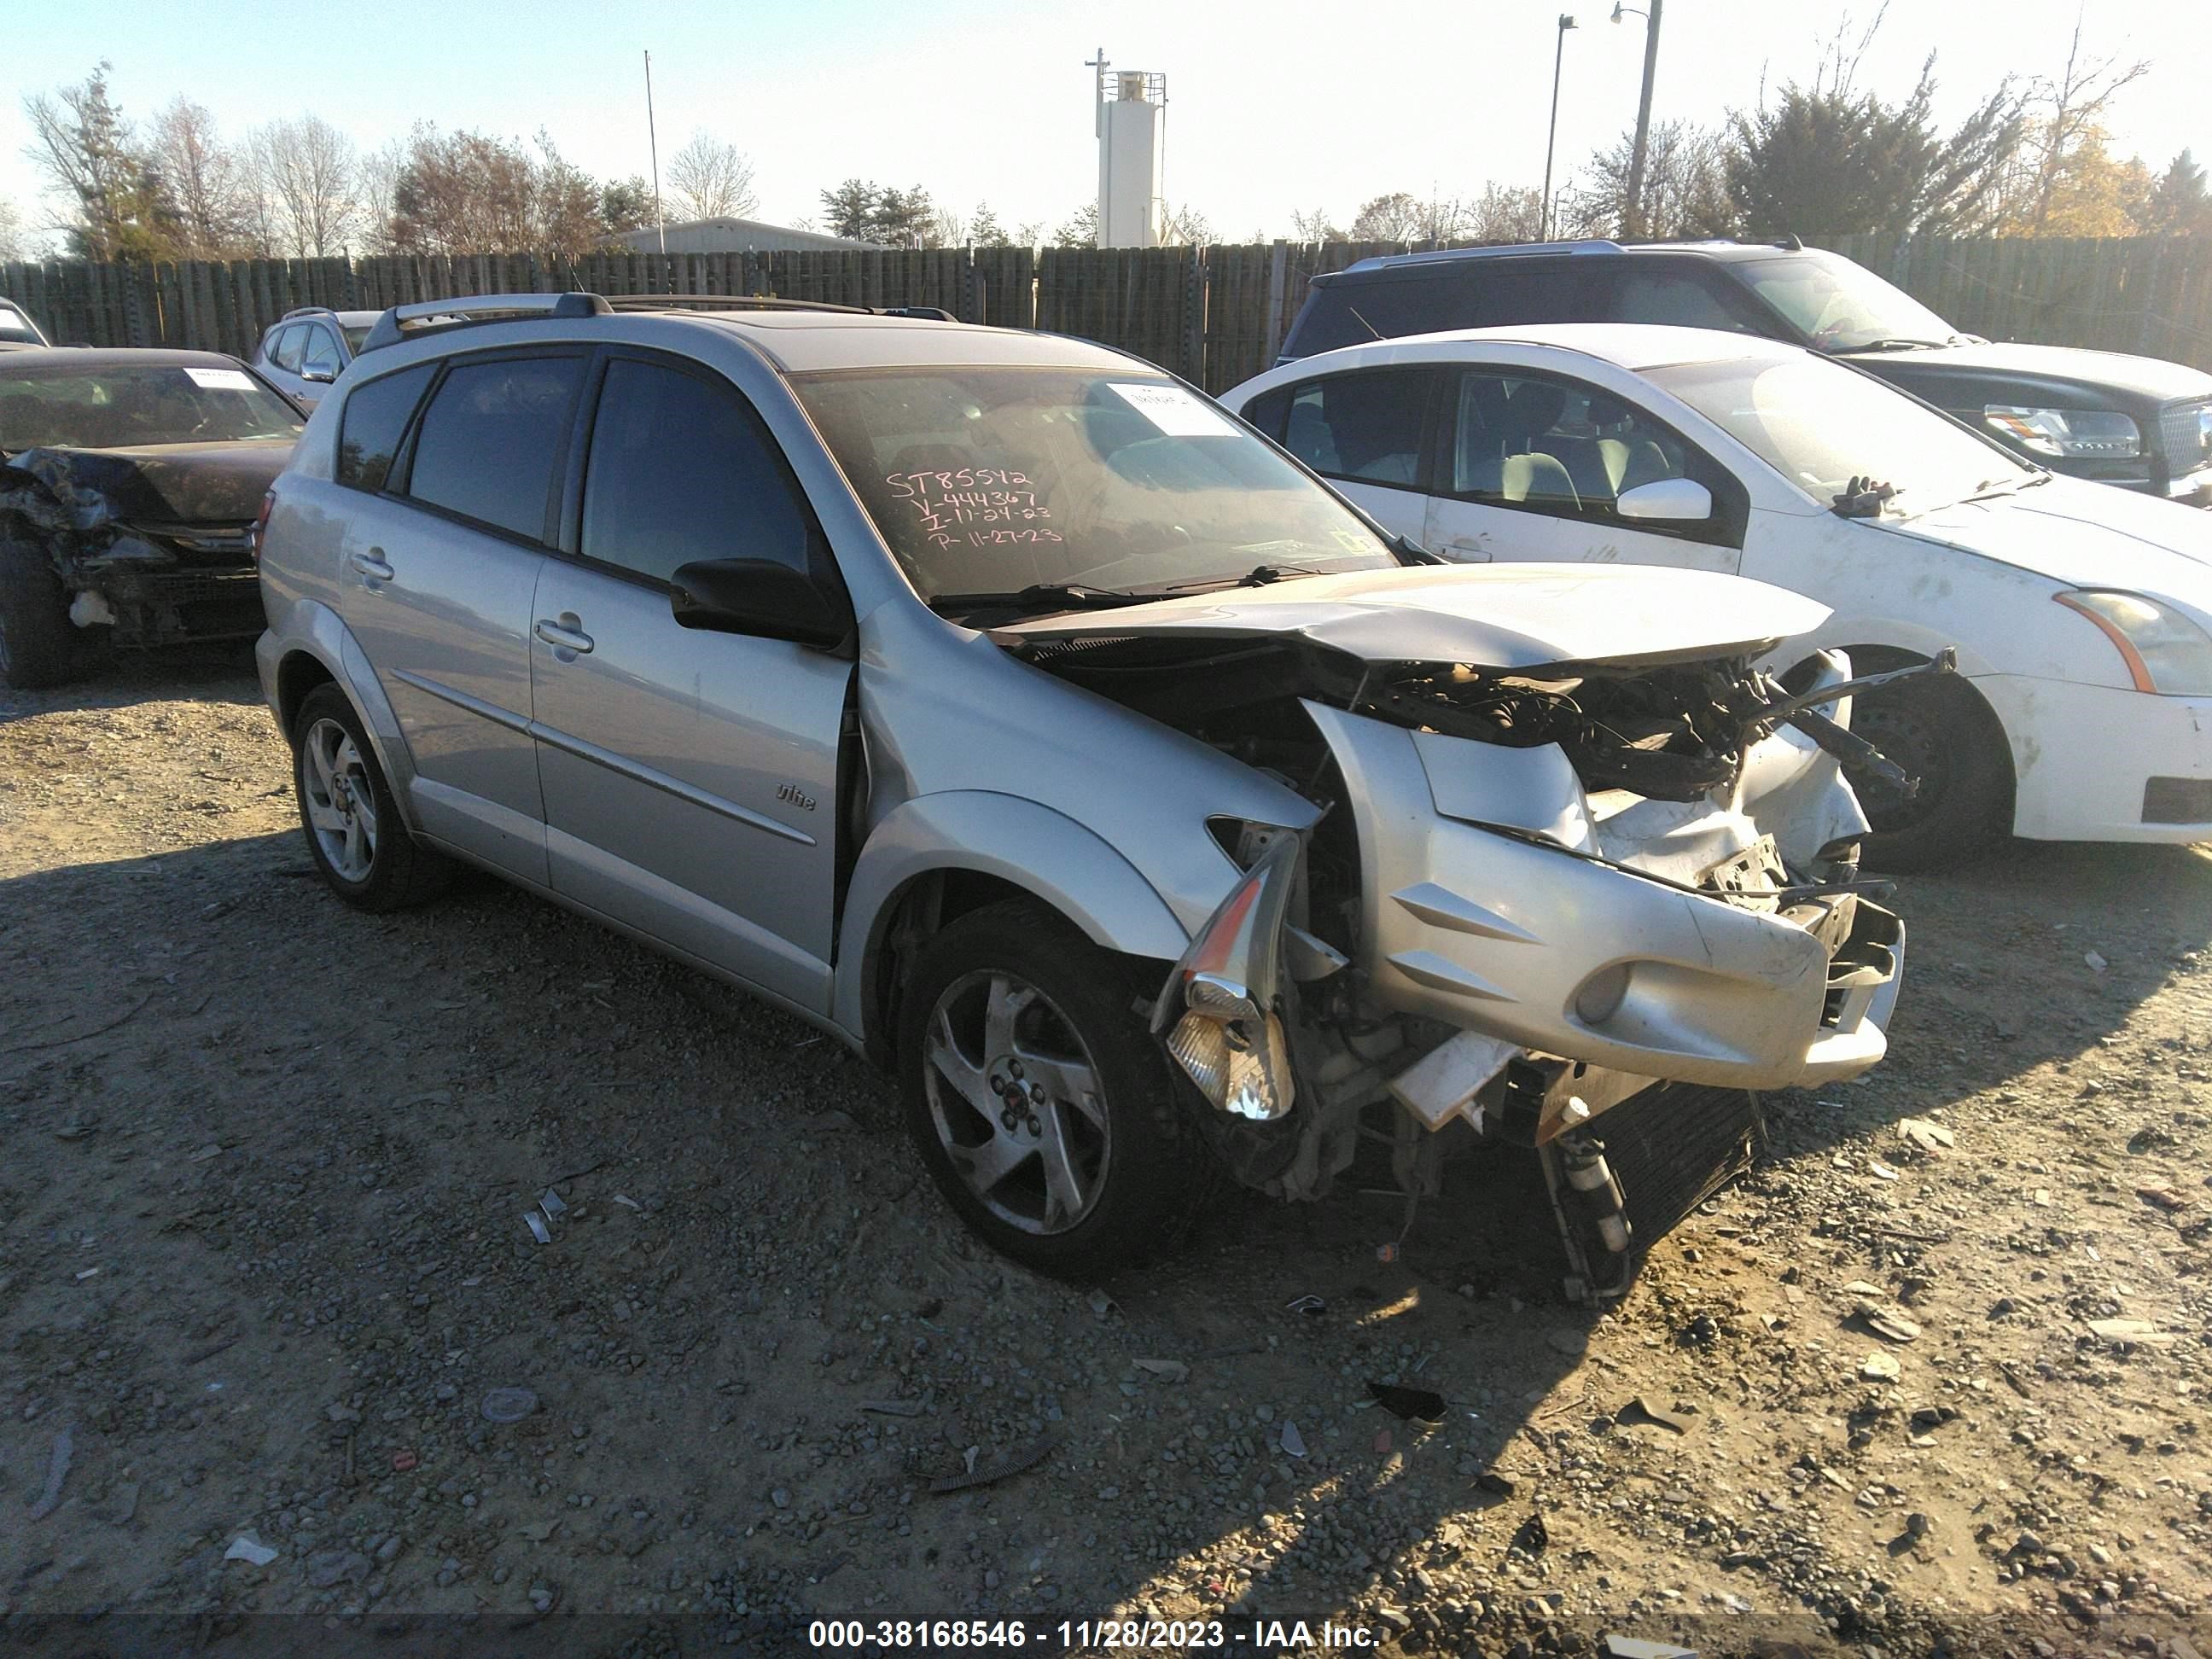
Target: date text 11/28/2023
{"x": 1249, "y": 1635}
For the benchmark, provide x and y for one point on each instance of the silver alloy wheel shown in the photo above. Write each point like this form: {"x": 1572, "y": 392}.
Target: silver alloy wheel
{"x": 1016, "y": 1102}
{"x": 341, "y": 803}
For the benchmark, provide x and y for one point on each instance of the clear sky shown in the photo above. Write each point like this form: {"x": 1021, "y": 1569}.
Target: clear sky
{"x": 1274, "y": 105}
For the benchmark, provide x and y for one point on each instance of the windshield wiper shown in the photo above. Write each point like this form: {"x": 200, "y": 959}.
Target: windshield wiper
{"x": 1037, "y": 597}
{"x": 1898, "y": 342}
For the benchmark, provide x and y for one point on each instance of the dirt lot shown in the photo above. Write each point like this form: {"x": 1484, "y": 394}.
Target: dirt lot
{"x": 262, "y": 1259}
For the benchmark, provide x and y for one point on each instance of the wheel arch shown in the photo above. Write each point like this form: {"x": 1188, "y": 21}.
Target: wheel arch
{"x": 940, "y": 856}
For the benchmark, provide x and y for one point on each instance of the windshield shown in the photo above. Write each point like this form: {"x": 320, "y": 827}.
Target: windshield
{"x": 1820, "y": 425}
{"x": 16, "y": 328}
{"x": 993, "y": 480}
{"x": 119, "y": 406}
{"x": 1841, "y": 307}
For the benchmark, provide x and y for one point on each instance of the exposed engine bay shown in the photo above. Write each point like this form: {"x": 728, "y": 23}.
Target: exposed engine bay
{"x": 1533, "y": 895}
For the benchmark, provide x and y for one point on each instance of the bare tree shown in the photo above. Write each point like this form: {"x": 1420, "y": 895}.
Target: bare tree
{"x": 209, "y": 183}
{"x": 1685, "y": 186}
{"x": 711, "y": 178}
{"x": 1503, "y": 213}
{"x": 15, "y": 244}
{"x": 1396, "y": 217}
{"x": 376, "y": 185}
{"x": 1184, "y": 226}
{"x": 1316, "y": 226}
{"x": 2065, "y": 132}
{"x": 947, "y": 228}
{"x": 93, "y": 162}
{"x": 306, "y": 168}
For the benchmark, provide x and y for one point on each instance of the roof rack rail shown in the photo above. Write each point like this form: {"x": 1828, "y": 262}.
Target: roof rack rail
{"x": 766, "y": 302}
{"x": 308, "y": 311}
{"x": 436, "y": 316}
{"x": 1489, "y": 251}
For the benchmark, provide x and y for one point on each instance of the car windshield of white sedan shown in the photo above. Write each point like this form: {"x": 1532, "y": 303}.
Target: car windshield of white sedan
{"x": 1842, "y": 307}
{"x": 1822, "y": 426}
{"x": 103, "y": 407}
{"x": 995, "y": 480}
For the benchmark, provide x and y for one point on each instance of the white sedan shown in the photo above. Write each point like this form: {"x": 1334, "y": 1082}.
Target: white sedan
{"x": 2082, "y": 616}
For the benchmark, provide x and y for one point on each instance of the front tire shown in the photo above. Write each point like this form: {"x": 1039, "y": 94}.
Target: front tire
{"x": 1043, "y": 1108}
{"x": 38, "y": 641}
{"x": 359, "y": 844}
{"x": 1940, "y": 731}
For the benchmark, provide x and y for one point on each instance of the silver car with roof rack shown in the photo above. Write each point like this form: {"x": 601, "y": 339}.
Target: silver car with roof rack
{"x": 1000, "y": 704}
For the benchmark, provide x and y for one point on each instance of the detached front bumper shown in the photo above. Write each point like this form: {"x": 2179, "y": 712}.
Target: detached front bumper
{"x": 2094, "y": 762}
{"x": 1594, "y": 964}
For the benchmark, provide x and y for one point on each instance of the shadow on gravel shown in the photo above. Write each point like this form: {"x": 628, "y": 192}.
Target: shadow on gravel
{"x": 2038, "y": 952}
{"x": 222, "y": 671}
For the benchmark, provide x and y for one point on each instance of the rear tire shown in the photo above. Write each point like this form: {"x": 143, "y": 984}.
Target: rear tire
{"x": 1940, "y": 731}
{"x": 38, "y": 645}
{"x": 359, "y": 844}
{"x": 1085, "y": 1155}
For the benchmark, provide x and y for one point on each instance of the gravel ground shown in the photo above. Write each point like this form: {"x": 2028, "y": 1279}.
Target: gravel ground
{"x": 263, "y": 1259}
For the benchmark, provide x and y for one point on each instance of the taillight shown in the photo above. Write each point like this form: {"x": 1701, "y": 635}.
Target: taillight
{"x": 261, "y": 523}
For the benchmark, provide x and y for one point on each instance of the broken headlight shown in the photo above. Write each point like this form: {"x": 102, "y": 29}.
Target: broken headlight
{"x": 2164, "y": 651}
{"x": 1217, "y": 1009}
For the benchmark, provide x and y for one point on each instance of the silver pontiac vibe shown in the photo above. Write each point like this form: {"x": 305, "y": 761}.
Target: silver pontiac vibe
{"x": 1000, "y": 704}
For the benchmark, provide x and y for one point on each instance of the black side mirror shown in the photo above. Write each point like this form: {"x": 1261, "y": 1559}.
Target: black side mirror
{"x": 760, "y": 597}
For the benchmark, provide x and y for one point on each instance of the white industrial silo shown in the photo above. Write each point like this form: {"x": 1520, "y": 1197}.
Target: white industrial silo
{"x": 1131, "y": 141}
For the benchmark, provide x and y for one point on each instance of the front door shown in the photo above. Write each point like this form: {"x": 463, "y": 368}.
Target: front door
{"x": 438, "y": 572}
{"x": 691, "y": 777}
{"x": 1365, "y": 431}
{"x": 1531, "y": 466}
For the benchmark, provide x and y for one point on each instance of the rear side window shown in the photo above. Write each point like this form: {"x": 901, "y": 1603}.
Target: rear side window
{"x": 681, "y": 469}
{"x": 375, "y": 421}
{"x": 1643, "y": 294}
{"x": 491, "y": 441}
{"x": 1478, "y": 294}
{"x": 1364, "y": 426}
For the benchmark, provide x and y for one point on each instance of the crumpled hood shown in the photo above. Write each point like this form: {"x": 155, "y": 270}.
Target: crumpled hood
{"x": 2149, "y": 378}
{"x": 2085, "y": 535}
{"x": 1501, "y": 616}
{"x": 157, "y": 484}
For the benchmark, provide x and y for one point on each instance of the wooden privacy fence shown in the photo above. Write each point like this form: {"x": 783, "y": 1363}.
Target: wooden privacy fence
{"x": 1215, "y": 315}
{"x": 2151, "y": 295}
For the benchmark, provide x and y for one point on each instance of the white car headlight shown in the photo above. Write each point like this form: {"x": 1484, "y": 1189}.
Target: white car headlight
{"x": 2087, "y": 435}
{"x": 2165, "y": 652}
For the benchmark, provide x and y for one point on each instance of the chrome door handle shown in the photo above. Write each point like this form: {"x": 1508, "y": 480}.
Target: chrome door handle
{"x": 371, "y": 564}
{"x": 564, "y": 634}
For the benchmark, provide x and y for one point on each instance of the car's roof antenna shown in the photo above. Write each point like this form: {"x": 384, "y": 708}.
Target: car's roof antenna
{"x": 1364, "y": 324}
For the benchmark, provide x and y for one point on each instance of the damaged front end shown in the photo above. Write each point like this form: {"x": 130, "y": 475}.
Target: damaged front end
{"x": 1539, "y": 902}
{"x": 152, "y": 548}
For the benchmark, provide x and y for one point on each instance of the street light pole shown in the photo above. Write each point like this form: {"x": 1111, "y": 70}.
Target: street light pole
{"x": 1632, "y": 210}
{"x": 1551, "y": 138}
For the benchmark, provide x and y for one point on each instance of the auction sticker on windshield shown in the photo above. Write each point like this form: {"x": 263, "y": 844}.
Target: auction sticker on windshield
{"x": 1173, "y": 410}
{"x": 221, "y": 379}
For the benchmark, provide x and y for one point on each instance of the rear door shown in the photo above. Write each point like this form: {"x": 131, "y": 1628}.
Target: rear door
{"x": 1367, "y": 431}
{"x": 691, "y": 777}
{"x": 439, "y": 566}
{"x": 1531, "y": 467}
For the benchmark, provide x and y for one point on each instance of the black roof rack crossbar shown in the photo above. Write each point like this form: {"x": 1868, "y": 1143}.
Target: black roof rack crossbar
{"x": 436, "y": 316}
